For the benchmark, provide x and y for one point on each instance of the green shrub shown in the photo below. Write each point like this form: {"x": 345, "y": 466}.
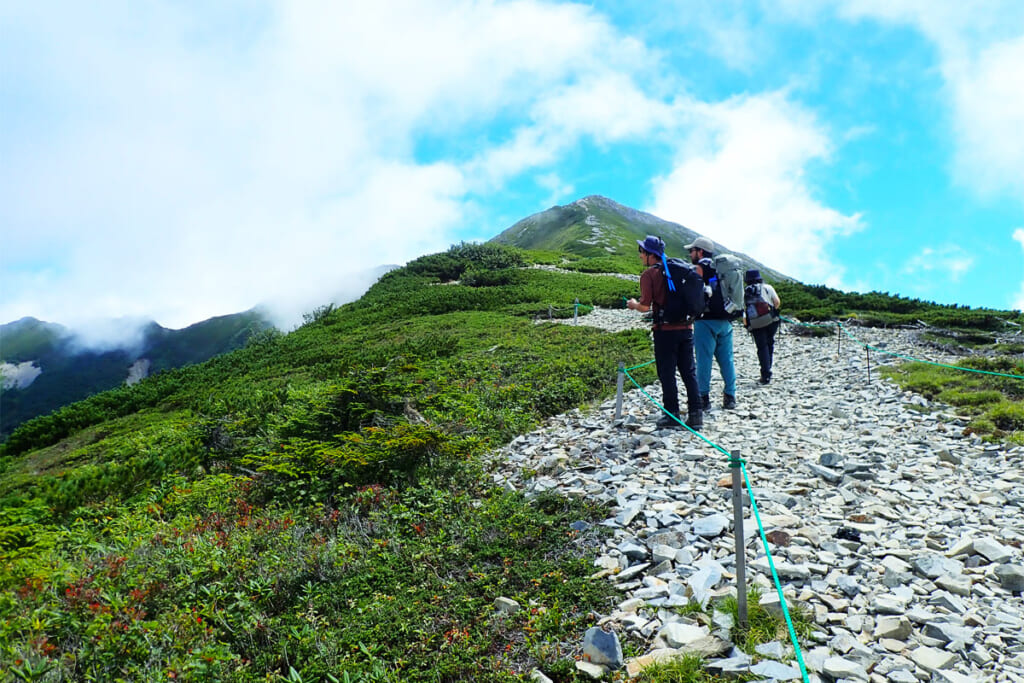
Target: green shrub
{"x": 1008, "y": 416}
{"x": 959, "y": 397}
{"x": 685, "y": 669}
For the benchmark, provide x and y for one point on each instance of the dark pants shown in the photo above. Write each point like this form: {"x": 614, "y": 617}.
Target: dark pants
{"x": 764, "y": 339}
{"x": 673, "y": 350}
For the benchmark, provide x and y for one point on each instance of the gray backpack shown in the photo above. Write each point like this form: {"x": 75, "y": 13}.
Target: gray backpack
{"x": 729, "y": 270}
{"x": 760, "y": 312}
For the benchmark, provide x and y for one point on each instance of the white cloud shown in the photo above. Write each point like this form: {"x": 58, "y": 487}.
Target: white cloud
{"x": 950, "y": 259}
{"x": 605, "y": 106}
{"x": 184, "y": 165}
{"x": 725, "y": 30}
{"x": 741, "y": 179}
{"x": 558, "y": 188}
{"x": 981, "y": 48}
{"x": 988, "y": 98}
{"x": 1018, "y": 302}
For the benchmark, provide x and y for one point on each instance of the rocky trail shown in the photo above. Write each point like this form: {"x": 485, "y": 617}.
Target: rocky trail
{"x": 900, "y": 536}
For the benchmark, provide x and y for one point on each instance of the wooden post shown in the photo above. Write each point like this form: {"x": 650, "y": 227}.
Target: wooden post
{"x": 741, "y": 559}
{"x": 618, "y": 390}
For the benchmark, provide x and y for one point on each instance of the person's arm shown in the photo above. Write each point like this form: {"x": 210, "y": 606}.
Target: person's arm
{"x": 637, "y": 306}
{"x": 646, "y": 293}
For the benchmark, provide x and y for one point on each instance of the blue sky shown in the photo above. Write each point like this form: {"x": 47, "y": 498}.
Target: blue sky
{"x": 179, "y": 160}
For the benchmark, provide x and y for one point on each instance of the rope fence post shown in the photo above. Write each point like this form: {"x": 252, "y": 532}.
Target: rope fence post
{"x": 741, "y": 559}
{"x": 839, "y": 339}
{"x": 575, "y": 311}
{"x": 618, "y": 390}
{"x": 867, "y": 350}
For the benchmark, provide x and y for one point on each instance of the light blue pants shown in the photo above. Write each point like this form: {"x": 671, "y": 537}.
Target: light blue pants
{"x": 714, "y": 338}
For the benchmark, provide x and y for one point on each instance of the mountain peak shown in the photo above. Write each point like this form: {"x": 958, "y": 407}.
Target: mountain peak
{"x": 597, "y": 226}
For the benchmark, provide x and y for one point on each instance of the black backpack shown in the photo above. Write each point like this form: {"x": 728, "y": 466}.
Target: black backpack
{"x": 686, "y": 302}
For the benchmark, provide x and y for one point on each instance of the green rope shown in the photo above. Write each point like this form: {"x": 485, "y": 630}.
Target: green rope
{"x": 900, "y": 355}
{"x": 662, "y": 409}
{"x": 733, "y": 463}
{"x": 642, "y": 365}
{"x": 928, "y": 362}
{"x": 775, "y": 576}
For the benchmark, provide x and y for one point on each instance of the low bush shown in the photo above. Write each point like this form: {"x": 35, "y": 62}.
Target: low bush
{"x": 992, "y": 396}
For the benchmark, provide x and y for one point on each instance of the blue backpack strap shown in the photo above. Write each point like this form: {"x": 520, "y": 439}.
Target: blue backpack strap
{"x": 668, "y": 273}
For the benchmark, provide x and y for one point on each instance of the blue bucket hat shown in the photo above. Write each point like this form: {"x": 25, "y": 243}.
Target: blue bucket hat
{"x": 655, "y": 245}
{"x": 652, "y": 245}
{"x": 751, "y": 276}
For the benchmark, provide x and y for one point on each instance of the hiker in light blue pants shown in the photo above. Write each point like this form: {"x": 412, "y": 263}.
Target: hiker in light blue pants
{"x": 713, "y": 338}
{"x": 712, "y": 333}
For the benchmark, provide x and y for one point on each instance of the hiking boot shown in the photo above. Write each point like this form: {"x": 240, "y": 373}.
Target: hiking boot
{"x": 695, "y": 421}
{"x": 705, "y": 402}
{"x": 764, "y": 380}
{"x": 728, "y": 401}
{"x": 668, "y": 421}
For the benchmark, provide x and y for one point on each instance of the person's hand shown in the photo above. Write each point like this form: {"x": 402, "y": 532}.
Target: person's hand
{"x": 631, "y": 304}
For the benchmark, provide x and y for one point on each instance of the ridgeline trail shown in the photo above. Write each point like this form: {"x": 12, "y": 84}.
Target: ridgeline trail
{"x": 900, "y": 535}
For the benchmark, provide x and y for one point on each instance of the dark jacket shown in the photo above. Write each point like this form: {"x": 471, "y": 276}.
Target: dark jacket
{"x": 716, "y": 306}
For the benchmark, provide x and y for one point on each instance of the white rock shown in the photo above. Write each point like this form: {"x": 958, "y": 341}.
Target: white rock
{"x": 506, "y": 605}
{"x": 837, "y": 667}
{"x": 680, "y": 635}
{"x": 931, "y": 659}
{"x": 595, "y": 671}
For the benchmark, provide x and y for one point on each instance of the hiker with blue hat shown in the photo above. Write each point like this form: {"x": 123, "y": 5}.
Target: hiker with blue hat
{"x": 673, "y": 341}
{"x": 761, "y": 317}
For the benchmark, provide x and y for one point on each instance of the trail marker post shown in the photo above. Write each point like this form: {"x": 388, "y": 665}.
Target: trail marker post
{"x": 741, "y": 560}
{"x": 575, "y": 311}
{"x": 867, "y": 350}
{"x": 618, "y": 390}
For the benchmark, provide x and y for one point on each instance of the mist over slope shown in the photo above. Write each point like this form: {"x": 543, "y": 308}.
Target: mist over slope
{"x": 46, "y": 365}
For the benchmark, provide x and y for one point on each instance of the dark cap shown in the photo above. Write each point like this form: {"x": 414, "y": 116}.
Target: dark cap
{"x": 652, "y": 245}
{"x": 752, "y": 275}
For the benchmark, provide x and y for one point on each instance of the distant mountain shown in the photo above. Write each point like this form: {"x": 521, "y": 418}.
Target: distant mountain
{"x": 597, "y": 226}
{"x": 44, "y": 366}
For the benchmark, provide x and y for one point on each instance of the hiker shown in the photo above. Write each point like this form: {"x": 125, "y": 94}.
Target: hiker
{"x": 673, "y": 342}
{"x": 712, "y": 332}
{"x": 761, "y": 318}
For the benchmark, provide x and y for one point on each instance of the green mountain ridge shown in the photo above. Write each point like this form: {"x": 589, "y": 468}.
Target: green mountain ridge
{"x": 596, "y": 226}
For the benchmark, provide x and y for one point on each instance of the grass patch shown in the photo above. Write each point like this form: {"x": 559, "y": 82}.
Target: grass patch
{"x": 993, "y": 398}
{"x": 1008, "y": 349}
{"x": 763, "y": 626}
{"x": 955, "y": 340}
{"x": 687, "y": 669}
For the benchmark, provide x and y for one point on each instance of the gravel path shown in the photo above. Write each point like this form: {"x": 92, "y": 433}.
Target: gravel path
{"x": 898, "y": 534}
